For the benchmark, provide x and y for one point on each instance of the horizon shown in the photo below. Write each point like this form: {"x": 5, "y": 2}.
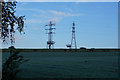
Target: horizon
{"x": 61, "y": 48}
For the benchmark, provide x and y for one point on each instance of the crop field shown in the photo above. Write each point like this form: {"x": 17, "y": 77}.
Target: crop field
{"x": 68, "y": 65}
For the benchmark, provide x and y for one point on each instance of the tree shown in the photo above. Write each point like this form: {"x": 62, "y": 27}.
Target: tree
{"x": 9, "y": 20}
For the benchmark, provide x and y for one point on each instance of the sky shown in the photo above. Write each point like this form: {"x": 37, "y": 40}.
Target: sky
{"x": 68, "y": 0}
{"x": 96, "y": 24}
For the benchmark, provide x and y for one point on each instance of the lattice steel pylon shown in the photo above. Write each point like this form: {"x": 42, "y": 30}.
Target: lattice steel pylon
{"x": 73, "y": 40}
{"x": 50, "y": 42}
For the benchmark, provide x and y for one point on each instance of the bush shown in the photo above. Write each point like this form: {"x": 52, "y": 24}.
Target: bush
{"x": 11, "y": 66}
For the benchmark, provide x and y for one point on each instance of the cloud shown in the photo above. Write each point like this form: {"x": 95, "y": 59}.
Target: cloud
{"x": 33, "y": 21}
{"x": 55, "y": 19}
{"x": 32, "y": 10}
{"x": 58, "y": 13}
{"x": 35, "y": 28}
{"x": 23, "y": 3}
{"x": 68, "y": 9}
{"x": 48, "y": 15}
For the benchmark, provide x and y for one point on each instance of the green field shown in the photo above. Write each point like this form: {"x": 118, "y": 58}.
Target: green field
{"x": 68, "y": 64}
